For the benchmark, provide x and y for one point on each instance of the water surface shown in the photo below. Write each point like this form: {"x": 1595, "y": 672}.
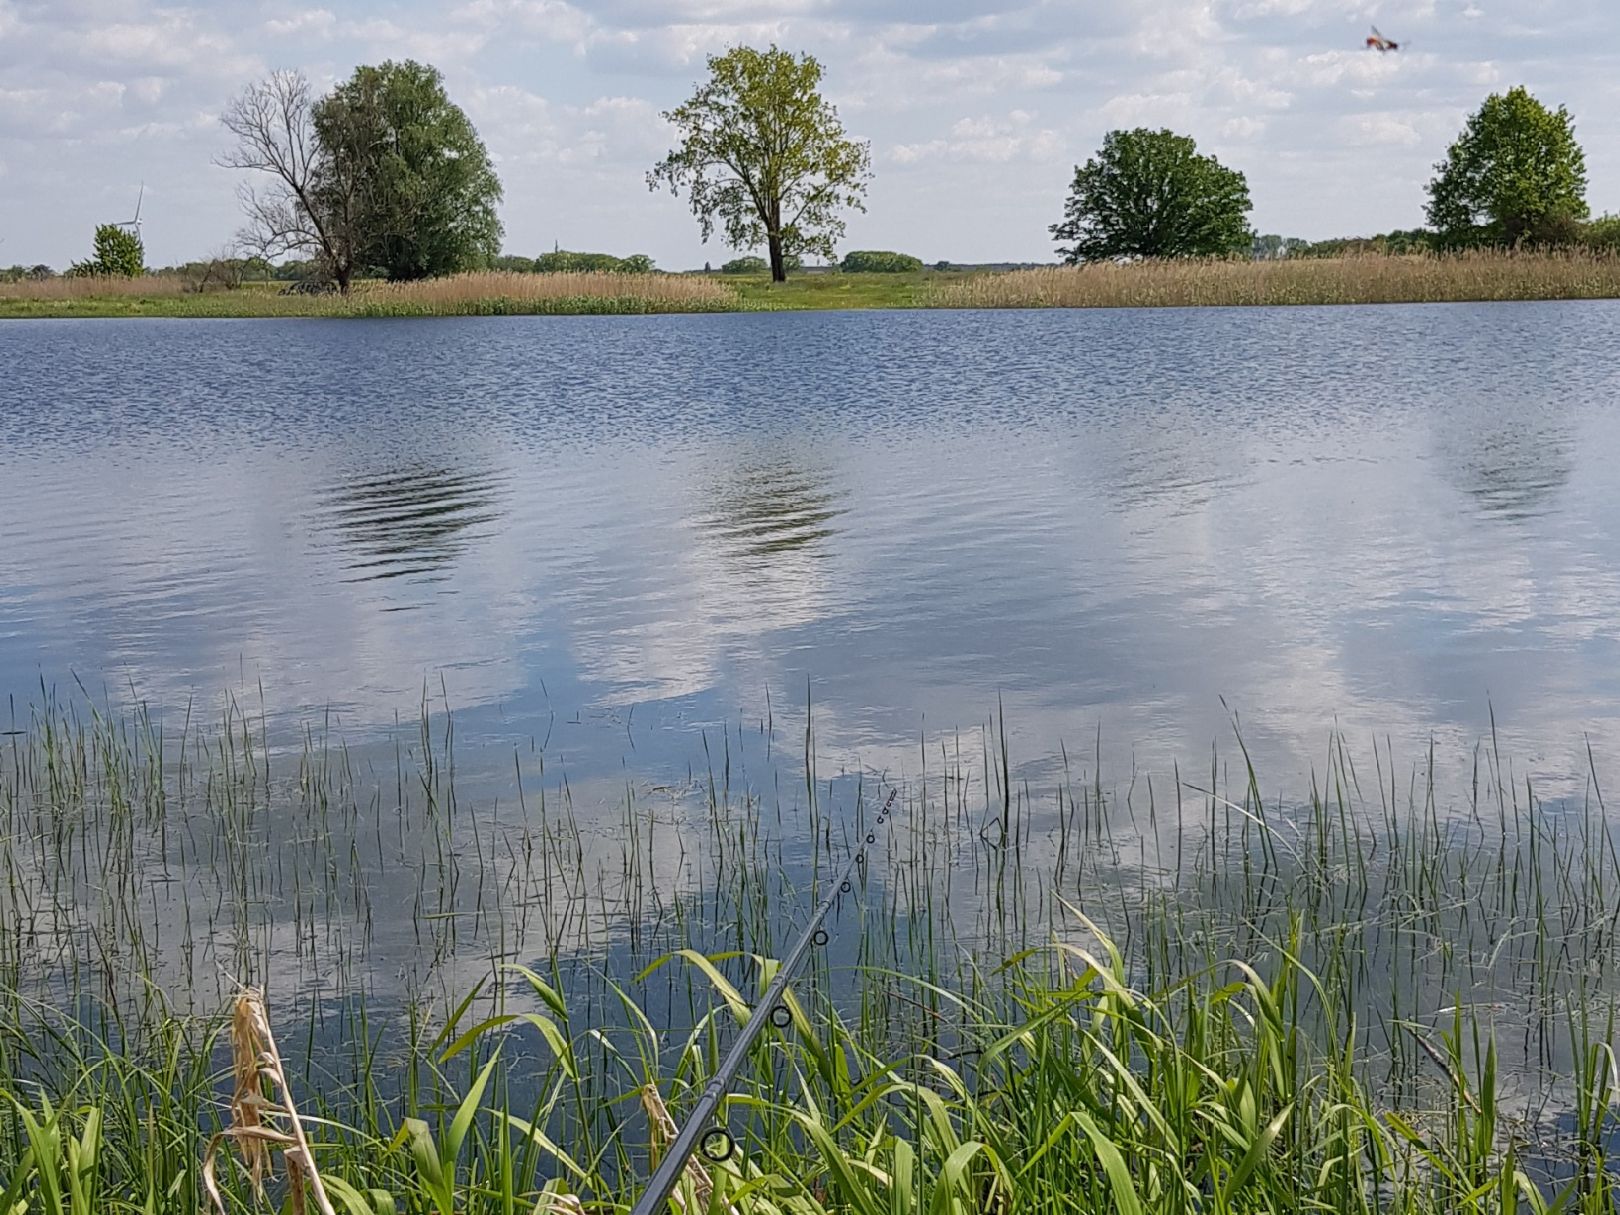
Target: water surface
{"x": 637, "y": 557}
{"x": 1394, "y": 519}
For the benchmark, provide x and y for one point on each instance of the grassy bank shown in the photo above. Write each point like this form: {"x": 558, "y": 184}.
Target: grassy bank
{"x": 1427, "y": 279}
{"x": 838, "y": 291}
{"x": 1384, "y": 996}
{"x": 1368, "y": 279}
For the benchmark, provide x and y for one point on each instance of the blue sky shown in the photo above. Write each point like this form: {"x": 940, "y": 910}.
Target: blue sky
{"x": 977, "y": 110}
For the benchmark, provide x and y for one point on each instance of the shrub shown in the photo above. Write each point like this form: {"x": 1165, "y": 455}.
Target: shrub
{"x": 118, "y": 254}
{"x": 1602, "y": 233}
{"x": 221, "y": 272}
{"x": 880, "y": 261}
{"x": 26, "y": 274}
{"x": 749, "y": 264}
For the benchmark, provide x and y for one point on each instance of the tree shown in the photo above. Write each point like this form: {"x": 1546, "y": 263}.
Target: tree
{"x": 1271, "y": 247}
{"x": 879, "y": 261}
{"x": 118, "y": 254}
{"x": 312, "y": 205}
{"x": 1150, "y": 194}
{"x": 564, "y": 261}
{"x": 1514, "y": 174}
{"x": 1602, "y": 233}
{"x": 750, "y": 264}
{"x": 427, "y": 189}
{"x": 764, "y": 155}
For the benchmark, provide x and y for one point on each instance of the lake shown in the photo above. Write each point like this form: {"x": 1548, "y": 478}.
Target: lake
{"x": 350, "y": 658}
{"x": 1137, "y": 525}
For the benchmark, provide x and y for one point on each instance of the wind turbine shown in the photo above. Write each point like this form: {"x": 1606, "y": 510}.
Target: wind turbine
{"x": 135, "y": 224}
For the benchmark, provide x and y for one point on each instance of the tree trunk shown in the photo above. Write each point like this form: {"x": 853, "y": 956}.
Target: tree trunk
{"x": 342, "y": 274}
{"x": 778, "y": 262}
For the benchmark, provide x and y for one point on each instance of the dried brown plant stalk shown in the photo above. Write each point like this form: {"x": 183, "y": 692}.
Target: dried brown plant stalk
{"x": 661, "y": 1133}
{"x": 260, "y": 1124}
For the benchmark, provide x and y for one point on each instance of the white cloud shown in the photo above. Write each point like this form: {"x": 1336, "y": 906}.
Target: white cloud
{"x": 315, "y": 22}
{"x": 386, "y": 37}
{"x": 546, "y": 20}
{"x": 1243, "y": 129}
{"x": 987, "y": 140}
{"x": 1380, "y": 130}
{"x": 98, "y": 94}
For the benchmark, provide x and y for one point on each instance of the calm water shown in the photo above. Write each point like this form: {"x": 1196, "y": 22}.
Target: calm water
{"x": 613, "y": 532}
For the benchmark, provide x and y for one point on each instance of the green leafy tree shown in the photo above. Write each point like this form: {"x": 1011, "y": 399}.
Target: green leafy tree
{"x": 1151, "y": 194}
{"x": 567, "y": 261}
{"x": 1602, "y": 233}
{"x": 561, "y": 261}
{"x": 1272, "y": 247}
{"x": 118, "y": 254}
{"x": 764, "y": 156}
{"x": 1515, "y": 174}
{"x": 428, "y": 189}
{"x": 879, "y": 261}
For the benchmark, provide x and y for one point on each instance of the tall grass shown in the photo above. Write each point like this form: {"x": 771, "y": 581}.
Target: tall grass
{"x": 491, "y": 293}
{"x": 1171, "y": 998}
{"x": 82, "y": 287}
{"x": 494, "y": 293}
{"x": 1369, "y": 279}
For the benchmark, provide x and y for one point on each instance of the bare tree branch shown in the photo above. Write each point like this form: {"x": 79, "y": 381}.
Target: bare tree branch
{"x": 305, "y": 208}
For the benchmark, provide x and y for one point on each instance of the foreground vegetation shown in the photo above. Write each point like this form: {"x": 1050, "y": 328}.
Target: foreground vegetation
{"x": 1362, "y": 279}
{"x": 1182, "y": 999}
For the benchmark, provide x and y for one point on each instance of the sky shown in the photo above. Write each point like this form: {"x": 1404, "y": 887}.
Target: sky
{"x": 977, "y": 111}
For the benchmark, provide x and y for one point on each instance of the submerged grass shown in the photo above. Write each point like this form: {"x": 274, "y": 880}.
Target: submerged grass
{"x": 1426, "y": 279}
{"x": 1177, "y": 999}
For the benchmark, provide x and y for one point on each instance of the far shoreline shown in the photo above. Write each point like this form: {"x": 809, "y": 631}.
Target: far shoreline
{"x": 1474, "y": 277}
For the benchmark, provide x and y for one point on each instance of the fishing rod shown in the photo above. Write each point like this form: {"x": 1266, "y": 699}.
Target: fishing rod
{"x": 770, "y": 1011}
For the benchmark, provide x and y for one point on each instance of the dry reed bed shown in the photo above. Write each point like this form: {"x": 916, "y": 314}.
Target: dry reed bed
{"x": 491, "y": 293}
{"x": 494, "y": 292}
{"x": 75, "y": 287}
{"x": 1372, "y": 279}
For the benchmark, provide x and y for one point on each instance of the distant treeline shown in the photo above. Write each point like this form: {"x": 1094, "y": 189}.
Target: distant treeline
{"x": 1600, "y": 233}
